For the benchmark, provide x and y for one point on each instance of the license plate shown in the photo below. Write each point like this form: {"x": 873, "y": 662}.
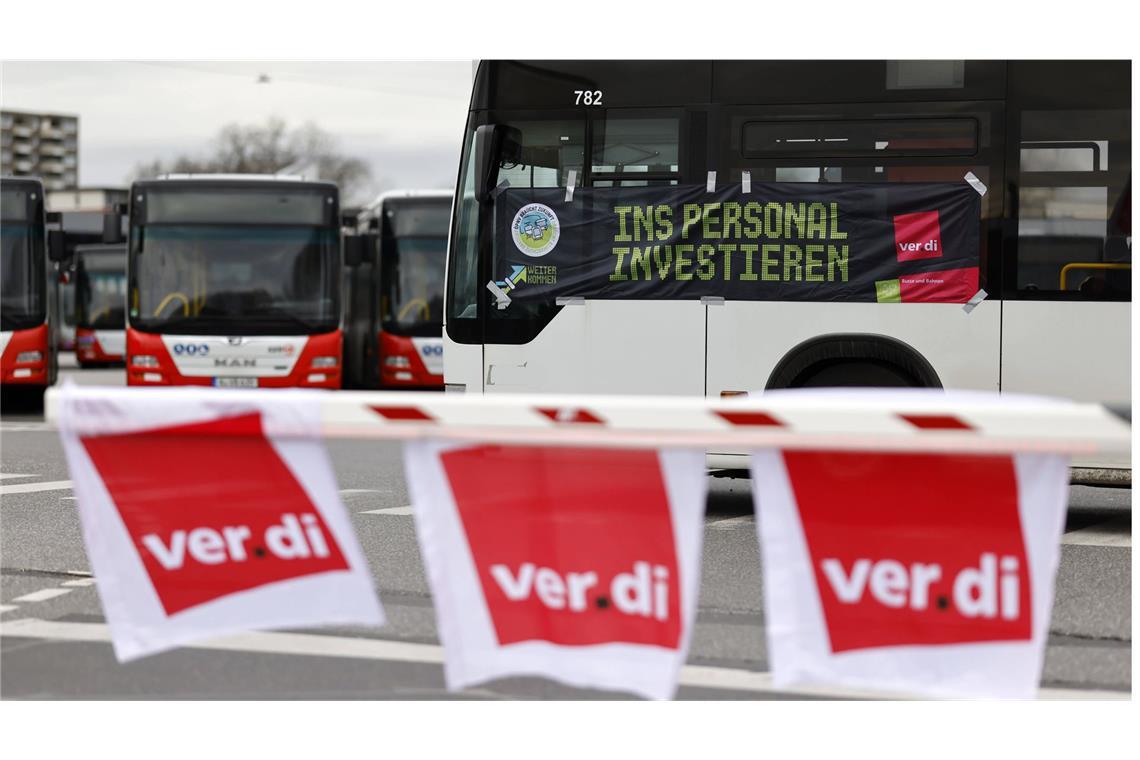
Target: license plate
{"x": 235, "y": 382}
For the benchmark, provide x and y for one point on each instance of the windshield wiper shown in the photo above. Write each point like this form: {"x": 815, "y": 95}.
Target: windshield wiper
{"x": 275, "y": 315}
{"x": 191, "y": 325}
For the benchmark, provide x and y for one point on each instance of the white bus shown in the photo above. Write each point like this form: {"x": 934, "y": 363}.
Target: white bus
{"x": 1045, "y": 146}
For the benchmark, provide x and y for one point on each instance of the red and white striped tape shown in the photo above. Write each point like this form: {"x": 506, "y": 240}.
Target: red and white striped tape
{"x": 847, "y": 419}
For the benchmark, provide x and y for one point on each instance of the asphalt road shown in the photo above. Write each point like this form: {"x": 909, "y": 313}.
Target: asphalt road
{"x": 53, "y": 643}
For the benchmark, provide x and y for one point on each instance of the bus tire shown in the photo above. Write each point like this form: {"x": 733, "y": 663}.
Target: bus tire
{"x": 853, "y": 361}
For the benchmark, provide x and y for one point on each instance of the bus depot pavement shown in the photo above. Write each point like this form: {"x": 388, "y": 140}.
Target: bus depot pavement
{"x": 54, "y": 642}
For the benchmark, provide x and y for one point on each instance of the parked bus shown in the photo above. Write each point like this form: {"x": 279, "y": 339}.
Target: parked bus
{"x": 84, "y": 213}
{"x": 396, "y": 293}
{"x": 28, "y": 255}
{"x": 1044, "y": 145}
{"x": 100, "y": 304}
{"x": 233, "y": 281}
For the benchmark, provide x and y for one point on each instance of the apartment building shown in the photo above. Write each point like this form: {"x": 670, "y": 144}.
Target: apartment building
{"x": 40, "y": 145}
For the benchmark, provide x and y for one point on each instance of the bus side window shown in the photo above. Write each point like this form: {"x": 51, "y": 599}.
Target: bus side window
{"x": 928, "y": 143}
{"x": 641, "y": 145}
{"x": 1074, "y": 221}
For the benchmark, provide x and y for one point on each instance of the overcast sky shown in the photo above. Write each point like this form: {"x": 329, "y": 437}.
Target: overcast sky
{"x": 404, "y": 118}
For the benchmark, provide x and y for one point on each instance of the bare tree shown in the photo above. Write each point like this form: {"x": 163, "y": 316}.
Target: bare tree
{"x": 270, "y": 148}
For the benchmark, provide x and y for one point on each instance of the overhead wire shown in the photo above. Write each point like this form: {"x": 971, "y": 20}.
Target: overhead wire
{"x": 292, "y": 79}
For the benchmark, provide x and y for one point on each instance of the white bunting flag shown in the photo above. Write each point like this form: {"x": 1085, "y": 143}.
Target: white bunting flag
{"x": 918, "y": 573}
{"x": 210, "y": 514}
{"x": 580, "y": 565}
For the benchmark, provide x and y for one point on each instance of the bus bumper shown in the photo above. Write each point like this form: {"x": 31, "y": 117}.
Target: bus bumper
{"x": 25, "y": 358}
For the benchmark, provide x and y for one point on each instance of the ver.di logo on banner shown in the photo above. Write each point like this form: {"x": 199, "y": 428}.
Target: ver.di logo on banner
{"x": 587, "y": 580}
{"x": 918, "y": 236}
{"x": 917, "y": 572}
{"x": 893, "y": 569}
{"x": 206, "y": 518}
{"x": 196, "y": 549}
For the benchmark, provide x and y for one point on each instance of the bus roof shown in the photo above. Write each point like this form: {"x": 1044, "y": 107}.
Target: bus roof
{"x": 267, "y": 177}
{"x": 373, "y": 208}
{"x": 32, "y": 181}
{"x": 232, "y": 181}
{"x": 626, "y": 83}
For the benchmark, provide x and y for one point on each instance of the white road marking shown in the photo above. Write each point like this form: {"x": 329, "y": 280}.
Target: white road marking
{"x": 7, "y": 475}
{"x": 79, "y": 582}
{"x": 389, "y": 511}
{"x": 51, "y": 485}
{"x": 42, "y": 595}
{"x": 8, "y": 608}
{"x": 358, "y": 490}
{"x": 307, "y": 644}
{"x": 1117, "y": 532}
{"x": 26, "y": 427}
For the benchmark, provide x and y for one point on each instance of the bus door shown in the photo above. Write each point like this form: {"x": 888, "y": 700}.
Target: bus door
{"x": 1068, "y": 281}
{"x": 899, "y": 142}
{"x": 584, "y": 345}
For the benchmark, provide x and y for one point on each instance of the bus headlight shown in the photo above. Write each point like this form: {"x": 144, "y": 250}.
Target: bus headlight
{"x": 324, "y": 361}
{"x": 29, "y": 356}
{"x": 144, "y": 360}
{"x": 397, "y": 362}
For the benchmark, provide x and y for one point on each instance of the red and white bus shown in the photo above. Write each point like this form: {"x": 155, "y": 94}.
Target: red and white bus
{"x": 100, "y": 304}
{"x": 396, "y": 292}
{"x": 234, "y": 281}
{"x": 28, "y": 357}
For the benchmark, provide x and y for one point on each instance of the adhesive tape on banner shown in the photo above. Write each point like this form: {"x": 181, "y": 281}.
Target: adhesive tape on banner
{"x": 502, "y": 300}
{"x": 974, "y": 301}
{"x": 710, "y": 185}
{"x": 976, "y": 183}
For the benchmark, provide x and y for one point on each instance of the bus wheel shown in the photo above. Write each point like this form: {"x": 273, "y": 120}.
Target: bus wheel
{"x": 853, "y": 361}
{"x": 855, "y": 375}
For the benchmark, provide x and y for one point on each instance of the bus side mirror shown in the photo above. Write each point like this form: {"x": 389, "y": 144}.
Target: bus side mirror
{"x": 57, "y": 252}
{"x": 113, "y": 224}
{"x": 494, "y": 143}
{"x": 356, "y": 249}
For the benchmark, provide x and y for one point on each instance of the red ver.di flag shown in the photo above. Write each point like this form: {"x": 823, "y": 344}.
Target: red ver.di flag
{"x": 580, "y": 565}
{"x": 925, "y": 573}
{"x": 210, "y": 515}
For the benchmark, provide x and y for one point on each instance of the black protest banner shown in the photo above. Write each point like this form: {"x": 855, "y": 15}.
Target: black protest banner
{"x": 780, "y": 242}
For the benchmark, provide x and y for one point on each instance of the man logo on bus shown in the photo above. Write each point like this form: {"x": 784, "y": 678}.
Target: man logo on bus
{"x": 535, "y": 230}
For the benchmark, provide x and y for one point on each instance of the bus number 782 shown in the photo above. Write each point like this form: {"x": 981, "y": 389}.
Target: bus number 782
{"x": 587, "y": 97}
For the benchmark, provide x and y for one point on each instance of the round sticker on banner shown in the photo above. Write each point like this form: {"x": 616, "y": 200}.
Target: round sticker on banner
{"x": 535, "y": 229}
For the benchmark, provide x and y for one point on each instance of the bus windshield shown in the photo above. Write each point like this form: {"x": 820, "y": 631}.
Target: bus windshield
{"x": 102, "y": 290}
{"x": 411, "y": 271}
{"x": 234, "y": 279}
{"x": 22, "y": 274}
